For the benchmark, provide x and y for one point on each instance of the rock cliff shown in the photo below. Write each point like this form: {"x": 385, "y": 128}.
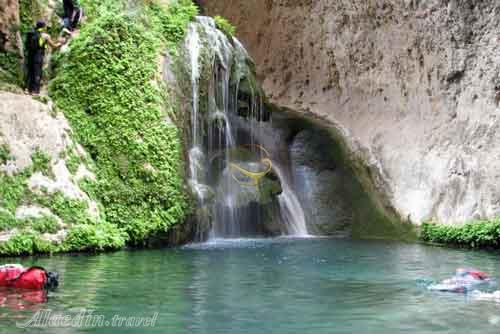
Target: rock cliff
{"x": 9, "y": 17}
{"x": 42, "y": 170}
{"x": 98, "y": 162}
{"x": 411, "y": 86}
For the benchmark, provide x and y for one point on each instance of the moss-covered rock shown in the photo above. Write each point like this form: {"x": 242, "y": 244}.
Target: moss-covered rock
{"x": 40, "y": 200}
{"x": 114, "y": 174}
{"x": 110, "y": 88}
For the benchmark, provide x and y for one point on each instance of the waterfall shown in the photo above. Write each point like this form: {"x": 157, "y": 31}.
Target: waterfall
{"x": 291, "y": 211}
{"x": 227, "y": 116}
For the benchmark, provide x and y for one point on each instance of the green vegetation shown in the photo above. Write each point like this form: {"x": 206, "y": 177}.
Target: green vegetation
{"x": 71, "y": 211}
{"x": 7, "y": 221}
{"x": 73, "y": 161}
{"x": 4, "y": 154}
{"x": 118, "y": 111}
{"x": 29, "y": 12}
{"x": 89, "y": 187}
{"x": 172, "y": 23}
{"x": 41, "y": 162}
{"x": 97, "y": 237}
{"x": 43, "y": 224}
{"x": 12, "y": 190}
{"x": 99, "y": 234}
{"x": 10, "y": 68}
{"x": 110, "y": 89}
{"x": 478, "y": 234}
{"x": 225, "y": 26}
{"x": 25, "y": 243}
{"x": 94, "y": 238}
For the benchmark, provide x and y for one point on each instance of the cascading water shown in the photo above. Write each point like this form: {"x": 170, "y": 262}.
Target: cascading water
{"x": 227, "y": 116}
{"x": 291, "y": 210}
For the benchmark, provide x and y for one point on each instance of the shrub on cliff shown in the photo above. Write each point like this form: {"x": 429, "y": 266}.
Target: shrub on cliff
{"x": 225, "y": 26}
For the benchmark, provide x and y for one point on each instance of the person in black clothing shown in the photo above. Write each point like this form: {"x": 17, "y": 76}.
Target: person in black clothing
{"x": 37, "y": 42}
{"x": 73, "y": 14}
{"x": 69, "y": 7}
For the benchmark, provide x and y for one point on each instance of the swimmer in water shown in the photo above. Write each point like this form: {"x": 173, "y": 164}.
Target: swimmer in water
{"x": 464, "y": 280}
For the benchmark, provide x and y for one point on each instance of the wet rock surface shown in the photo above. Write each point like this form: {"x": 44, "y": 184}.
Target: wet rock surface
{"x": 411, "y": 86}
{"x": 331, "y": 195}
{"x": 324, "y": 202}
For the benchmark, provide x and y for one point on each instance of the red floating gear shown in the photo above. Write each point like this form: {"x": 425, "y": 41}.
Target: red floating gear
{"x": 15, "y": 276}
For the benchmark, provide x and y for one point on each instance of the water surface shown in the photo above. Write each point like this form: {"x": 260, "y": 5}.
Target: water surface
{"x": 266, "y": 286}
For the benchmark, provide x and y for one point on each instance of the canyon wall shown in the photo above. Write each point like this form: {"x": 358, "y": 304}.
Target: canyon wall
{"x": 10, "y": 39}
{"x": 411, "y": 86}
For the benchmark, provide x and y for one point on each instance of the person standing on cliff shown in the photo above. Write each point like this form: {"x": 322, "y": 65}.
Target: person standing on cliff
{"x": 73, "y": 14}
{"x": 37, "y": 42}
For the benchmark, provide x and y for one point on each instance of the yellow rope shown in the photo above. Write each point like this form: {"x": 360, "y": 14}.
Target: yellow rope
{"x": 254, "y": 176}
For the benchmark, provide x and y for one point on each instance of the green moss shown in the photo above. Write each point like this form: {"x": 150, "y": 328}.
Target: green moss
{"x": 43, "y": 224}
{"x": 41, "y": 162}
{"x": 7, "y": 221}
{"x": 10, "y": 68}
{"x": 73, "y": 161}
{"x": 477, "y": 234}
{"x": 12, "y": 190}
{"x": 4, "y": 154}
{"x": 90, "y": 187}
{"x": 71, "y": 211}
{"x": 117, "y": 110}
{"x": 29, "y": 12}
{"x": 26, "y": 15}
{"x": 269, "y": 188}
{"x": 225, "y": 26}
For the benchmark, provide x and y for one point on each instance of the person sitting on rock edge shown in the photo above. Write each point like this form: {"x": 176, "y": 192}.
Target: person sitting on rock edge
{"x": 37, "y": 42}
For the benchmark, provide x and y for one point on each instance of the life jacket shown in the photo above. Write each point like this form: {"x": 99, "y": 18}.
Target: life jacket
{"x": 34, "y": 278}
{"x": 35, "y": 43}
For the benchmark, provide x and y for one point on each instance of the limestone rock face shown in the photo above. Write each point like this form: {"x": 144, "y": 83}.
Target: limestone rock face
{"x": 27, "y": 127}
{"x": 412, "y": 86}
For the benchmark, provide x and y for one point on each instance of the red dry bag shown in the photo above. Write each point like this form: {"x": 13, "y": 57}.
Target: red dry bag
{"x": 16, "y": 276}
